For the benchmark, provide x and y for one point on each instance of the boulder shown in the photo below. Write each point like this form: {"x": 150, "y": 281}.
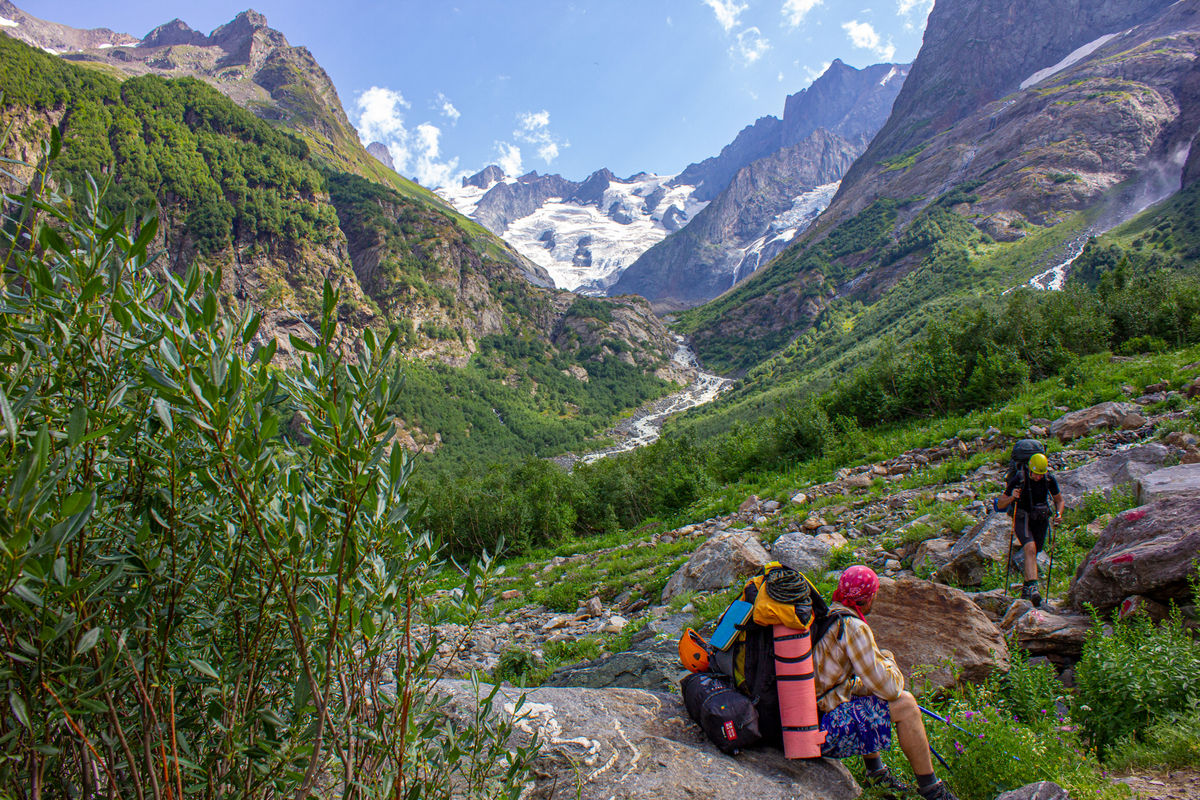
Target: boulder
{"x": 926, "y": 623}
{"x": 1180, "y": 480}
{"x": 1105, "y": 474}
{"x": 994, "y": 602}
{"x": 972, "y": 555}
{"x": 1147, "y": 550}
{"x": 1138, "y": 605}
{"x": 800, "y": 551}
{"x": 1042, "y": 790}
{"x": 717, "y": 563}
{"x": 599, "y": 744}
{"x": 932, "y": 555}
{"x": 1080, "y": 423}
{"x": 1059, "y": 637}
{"x": 650, "y": 664}
{"x": 1192, "y": 389}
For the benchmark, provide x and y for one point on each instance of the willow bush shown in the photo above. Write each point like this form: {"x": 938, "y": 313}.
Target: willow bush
{"x": 208, "y": 579}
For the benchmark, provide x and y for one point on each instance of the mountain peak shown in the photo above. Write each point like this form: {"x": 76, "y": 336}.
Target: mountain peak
{"x": 172, "y": 33}
{"x": 485, "y": 177}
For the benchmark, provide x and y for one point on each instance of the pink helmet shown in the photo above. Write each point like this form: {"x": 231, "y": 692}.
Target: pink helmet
{"x": 856, "y": 587}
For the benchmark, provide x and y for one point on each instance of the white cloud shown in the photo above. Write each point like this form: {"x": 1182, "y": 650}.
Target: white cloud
{"x": 509, "y": 158}
{"x": 905, "y": 8}
{"x": 750, "y": 46}
{"x": 447, "y": 108}
{"x": 727, "y": 12}
{"x": 794, "y": 11}
{"x": 815, "y": 72}
{"x": 415, "y": 152}
{"x": 863, "y": 35}
{"x": 533, "y": 127}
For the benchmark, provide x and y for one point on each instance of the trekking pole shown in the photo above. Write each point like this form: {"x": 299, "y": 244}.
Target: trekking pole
{"x": 940, "y": 718}
{"x": 1050, "y": 569}
{"x": 1008, "y": 560}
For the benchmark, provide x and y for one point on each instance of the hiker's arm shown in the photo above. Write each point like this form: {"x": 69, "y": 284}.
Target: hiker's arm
{"x": 1009, "y": 496}
{"x": 878, "y": 672}
{"x": 1059, "y": 502}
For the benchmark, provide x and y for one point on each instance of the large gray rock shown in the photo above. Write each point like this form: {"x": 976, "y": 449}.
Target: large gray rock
{"x": 599, "y": 744}
{"x": 717, "y": 563}
{"x": 650, "y": 663}
{"x": 1105, "y": 474}
{"x": 1180, "y": 480}
{"x": 972, "y": 555}
{"x": 1042, "y": 790}
{"x": 932, "y": 555}
{"x": 1150, "y": 550}
{"x": 1059, "y": 637}
{"x": 803, "y": 552}
{"x": 927, "y": 624}
{"x": 1082, "y": 422}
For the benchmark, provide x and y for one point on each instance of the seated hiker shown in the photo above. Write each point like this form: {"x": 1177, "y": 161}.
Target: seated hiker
{"x": 1032, "y": 489}
{"x": 860, "y": 691}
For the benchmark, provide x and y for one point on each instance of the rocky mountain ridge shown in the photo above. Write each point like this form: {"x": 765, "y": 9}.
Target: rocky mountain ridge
{"x": 589, "y": 233}
{"x": 1096, "y": 121}
{"x": 769, "y": 184}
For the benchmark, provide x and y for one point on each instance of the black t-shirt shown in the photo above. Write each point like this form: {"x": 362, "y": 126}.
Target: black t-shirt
{"x": 1033, "y": 491}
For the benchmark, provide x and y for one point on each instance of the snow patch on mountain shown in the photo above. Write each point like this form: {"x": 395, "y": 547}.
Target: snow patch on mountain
{"x": 1075, "y": 57}
{"x": 5, "y": 22}
{"x": 784, "y": 228}
{"x": 585, "y": 245}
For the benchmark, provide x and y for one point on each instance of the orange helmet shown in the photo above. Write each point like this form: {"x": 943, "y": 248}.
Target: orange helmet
{"x": 693, "y": 651}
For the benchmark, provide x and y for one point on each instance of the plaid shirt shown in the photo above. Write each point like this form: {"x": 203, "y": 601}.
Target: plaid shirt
{"x": 848, "y": 664}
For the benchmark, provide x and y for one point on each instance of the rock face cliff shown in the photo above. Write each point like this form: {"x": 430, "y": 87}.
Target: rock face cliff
{"x": 1014, "y": 117}
{"x": 768, "y": 185}
{"x": 765, "y": 205}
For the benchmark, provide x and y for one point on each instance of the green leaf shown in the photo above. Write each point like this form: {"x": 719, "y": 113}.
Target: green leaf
{"x": 76, "y": 424}
{"x": 10, "y": 421}
{"x": 19, "y": 710}
{"x": 203, "y": 668}
{"x": 60, "y": 571}
{"x": 149, "y": 228}
{"x": 163, "y": 411}
{"x": 75, "y": 503}
{"x": 251, "y": 327}
{"x": 300, "y": 344}
{"x": 87, "y": 641}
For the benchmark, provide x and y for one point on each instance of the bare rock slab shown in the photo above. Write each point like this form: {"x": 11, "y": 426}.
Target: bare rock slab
{"x": 803, "y": 552}
{"x": 1181, "y": 480}
{"x": 1147, "y": 550}
{"x": 1105, "y": 474}
{"x": 1059, "y": 637}
{"x": 622, "y": 744}
{"x": 925, "y": 623}
{"x": 972, "y": 555}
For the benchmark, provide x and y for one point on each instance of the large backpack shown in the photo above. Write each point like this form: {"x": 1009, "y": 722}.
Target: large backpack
{"x": 749, "y": 661}
{"x": 1018, "y": 460}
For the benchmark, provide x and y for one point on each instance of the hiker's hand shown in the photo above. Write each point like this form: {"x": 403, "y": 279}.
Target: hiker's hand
{"x": 1016, "y": 494}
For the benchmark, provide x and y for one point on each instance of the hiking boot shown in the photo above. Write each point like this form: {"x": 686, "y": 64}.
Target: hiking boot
{"x": 1030, "y": 592}
{"x": 937, "y": 791}
{"x": 884, "y": 779}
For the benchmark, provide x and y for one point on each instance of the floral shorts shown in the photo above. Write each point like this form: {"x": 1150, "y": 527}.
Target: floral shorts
{"x": 859, "y": 726}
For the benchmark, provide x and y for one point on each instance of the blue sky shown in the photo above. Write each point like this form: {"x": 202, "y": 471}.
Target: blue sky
{"x": 551, "y": 85}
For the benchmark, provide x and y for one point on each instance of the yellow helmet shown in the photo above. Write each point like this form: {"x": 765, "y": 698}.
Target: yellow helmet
{"x": 1038, "y": 464}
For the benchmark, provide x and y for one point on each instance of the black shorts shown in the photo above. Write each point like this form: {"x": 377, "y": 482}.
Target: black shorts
{"x": 1029, "y": 530}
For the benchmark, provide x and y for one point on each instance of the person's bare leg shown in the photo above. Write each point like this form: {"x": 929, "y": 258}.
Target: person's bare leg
{"x": 1031, "y": 569}
{"x": 911, "y": 733}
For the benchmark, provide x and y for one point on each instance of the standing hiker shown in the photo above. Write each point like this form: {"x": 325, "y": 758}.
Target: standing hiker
{"x": 860, "y": 691}
{"x": 1032, "y": 489}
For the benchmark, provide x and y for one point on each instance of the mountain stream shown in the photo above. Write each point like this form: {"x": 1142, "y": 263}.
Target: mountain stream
{"x": 647, "y": 422}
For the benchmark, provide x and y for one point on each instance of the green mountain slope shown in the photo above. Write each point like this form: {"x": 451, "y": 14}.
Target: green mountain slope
{"x": 238, "y": 193}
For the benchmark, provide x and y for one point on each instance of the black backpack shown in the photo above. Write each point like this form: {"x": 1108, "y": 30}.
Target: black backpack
{"x": 1018, "y": 461}
{"x": 750, "y": 661}
{"x": 728, "y": 717}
